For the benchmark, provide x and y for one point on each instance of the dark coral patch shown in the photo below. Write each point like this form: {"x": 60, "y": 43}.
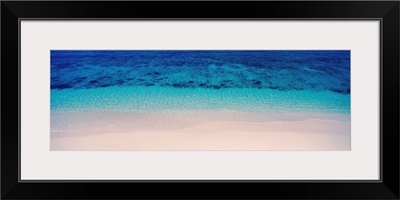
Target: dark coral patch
{"x": 257, "y": 83}
{"x": 346, "y": 91}
{"x": 61, "y": 86}
{"x": 217, "y": 87}
{"x": 104, "y": 85}
{"x": 178, "y": 85}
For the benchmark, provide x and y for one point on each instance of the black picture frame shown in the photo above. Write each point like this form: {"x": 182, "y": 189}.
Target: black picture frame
{"x": 386, "y": 11}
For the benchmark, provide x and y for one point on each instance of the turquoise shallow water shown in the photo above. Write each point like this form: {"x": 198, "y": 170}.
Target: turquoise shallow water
{"x": 163, "y": 108}
{"x": 156, "y": 98}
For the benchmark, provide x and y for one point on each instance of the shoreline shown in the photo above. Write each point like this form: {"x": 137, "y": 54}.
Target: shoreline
{"x": 211, "y": 130}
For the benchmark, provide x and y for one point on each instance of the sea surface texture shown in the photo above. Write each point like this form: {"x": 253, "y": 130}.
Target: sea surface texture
{"x": 270, "y": 81}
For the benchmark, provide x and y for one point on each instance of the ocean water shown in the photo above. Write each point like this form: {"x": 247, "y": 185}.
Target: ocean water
{"x": 270, "y": 81}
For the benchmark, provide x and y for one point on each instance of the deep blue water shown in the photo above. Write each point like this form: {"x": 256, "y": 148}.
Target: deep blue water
{"x": 280, "y": 70}
{"x": 291, "y": 80}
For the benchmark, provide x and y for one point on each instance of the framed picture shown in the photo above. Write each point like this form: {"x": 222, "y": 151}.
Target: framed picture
{"x": 263, "y": 99}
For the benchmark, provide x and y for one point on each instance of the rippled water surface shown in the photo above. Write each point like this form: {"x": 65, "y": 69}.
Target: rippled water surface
{"x": 271, "y": 81}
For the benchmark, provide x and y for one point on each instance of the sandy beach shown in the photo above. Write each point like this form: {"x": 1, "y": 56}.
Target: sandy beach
{"x": 201, "y": 131}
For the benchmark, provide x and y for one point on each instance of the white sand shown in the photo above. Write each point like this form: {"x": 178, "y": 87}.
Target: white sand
{"x": 208, "y": 135}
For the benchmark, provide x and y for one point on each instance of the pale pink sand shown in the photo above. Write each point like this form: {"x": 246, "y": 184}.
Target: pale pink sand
{"x": 214, "y": 135}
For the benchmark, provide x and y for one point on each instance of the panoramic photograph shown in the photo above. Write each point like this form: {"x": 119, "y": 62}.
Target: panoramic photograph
{"x": 168, "y": 100}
